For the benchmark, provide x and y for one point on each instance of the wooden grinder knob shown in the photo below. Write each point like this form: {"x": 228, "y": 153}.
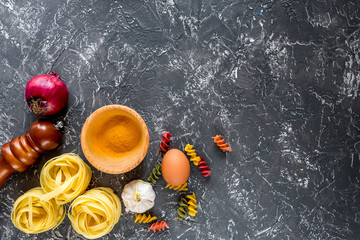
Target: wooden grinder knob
{"x": 21, "y": 152}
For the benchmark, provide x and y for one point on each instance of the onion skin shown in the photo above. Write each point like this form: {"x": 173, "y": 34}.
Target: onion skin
{"x": 46, "y": 94}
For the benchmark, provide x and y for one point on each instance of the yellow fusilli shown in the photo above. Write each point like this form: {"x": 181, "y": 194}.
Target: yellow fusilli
{"x": 191, "y": 152}
{"x": 182, "y": 187}
{"x": 192, "y": 204}
{"x": 142, "y": 218}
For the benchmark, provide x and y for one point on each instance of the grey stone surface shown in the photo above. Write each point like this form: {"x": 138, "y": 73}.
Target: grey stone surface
{"x": 279, "y": 79}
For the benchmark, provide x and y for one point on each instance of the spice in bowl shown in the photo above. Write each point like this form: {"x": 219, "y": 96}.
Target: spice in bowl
{"x": 115, "y": 139}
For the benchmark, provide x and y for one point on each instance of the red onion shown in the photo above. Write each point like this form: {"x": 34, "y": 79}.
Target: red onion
{"x": 46, "y": 94}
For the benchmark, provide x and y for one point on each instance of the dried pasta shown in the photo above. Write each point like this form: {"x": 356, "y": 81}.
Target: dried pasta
{"x": 95, "y": 213}
{"x": 165, "y": 140}
{"x": 220, "y": 142}
{"x": 64, "y": 178}
{"x": 181, "y": 211}
{"x": 142, "y": 218}
{"x": 191, "y": 152}
{"x": 192, "y": 204}
{"x": 182, "y": 187}
{"x": 155, "y": 173}
{"x": 158, "y": 226}
{"x": 204, "y": 168}
{"x": 31, "y": 215}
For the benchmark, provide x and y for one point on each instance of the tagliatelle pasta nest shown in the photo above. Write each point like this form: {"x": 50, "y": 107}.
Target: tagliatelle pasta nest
{"x": 64, "y": 178}
{"x": 31, "y": 215}
{"x": 95, "y": 213}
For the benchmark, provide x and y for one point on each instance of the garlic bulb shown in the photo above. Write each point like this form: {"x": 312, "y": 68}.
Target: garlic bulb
{"x": 138, "y": 196}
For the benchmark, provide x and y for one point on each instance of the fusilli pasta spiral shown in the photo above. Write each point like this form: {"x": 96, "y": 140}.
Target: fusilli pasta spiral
{"x": 204, "y": 168}
{"x": 181, "y": 211}
{"x": 182, "y": 187}
{"x": 155, "y": 173}
{"x": 220, "y": 142}
{"x": 142, "y": 218}
{"x": 191, "y": 152}
{"x": 165, "y": 140}
{"x": 158, "y": 226}
{"x": 192, "y": 204}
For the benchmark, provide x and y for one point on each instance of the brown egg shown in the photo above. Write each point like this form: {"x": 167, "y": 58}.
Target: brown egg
{"x": 175, "y": 167}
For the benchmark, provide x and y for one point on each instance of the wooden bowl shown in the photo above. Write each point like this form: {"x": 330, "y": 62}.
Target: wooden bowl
{"x": 115, "y": 139}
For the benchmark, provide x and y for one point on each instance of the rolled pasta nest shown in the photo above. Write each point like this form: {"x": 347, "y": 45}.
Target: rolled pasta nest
{"x": 95, "y": 213}
{"x": 31, "y": 215}
{"x": 64, "y": 178}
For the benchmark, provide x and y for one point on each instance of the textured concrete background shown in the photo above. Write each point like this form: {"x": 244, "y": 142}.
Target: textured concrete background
{"x": 278, "y": 78}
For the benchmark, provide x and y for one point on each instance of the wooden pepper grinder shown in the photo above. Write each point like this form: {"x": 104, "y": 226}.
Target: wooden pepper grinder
{"x": 21, "y": 152}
